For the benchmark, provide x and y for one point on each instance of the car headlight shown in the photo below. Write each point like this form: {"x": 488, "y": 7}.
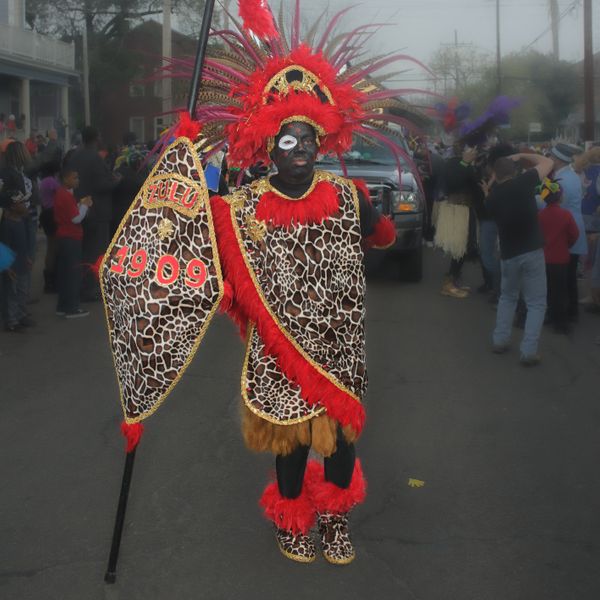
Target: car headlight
{"x": 405, "y": 201}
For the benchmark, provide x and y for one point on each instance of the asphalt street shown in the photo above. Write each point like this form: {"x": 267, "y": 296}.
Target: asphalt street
{"x": 509, "y": 508}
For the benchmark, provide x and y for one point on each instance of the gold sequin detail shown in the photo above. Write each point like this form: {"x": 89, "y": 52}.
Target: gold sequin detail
{"x": 282, "y": 86}
{"x": 165, "y": 229}
{"x": 256, "y": 229}
{"x": 236, "y": 200}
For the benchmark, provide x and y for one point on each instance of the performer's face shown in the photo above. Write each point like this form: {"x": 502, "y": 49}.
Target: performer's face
{"x": 295, "y": 152}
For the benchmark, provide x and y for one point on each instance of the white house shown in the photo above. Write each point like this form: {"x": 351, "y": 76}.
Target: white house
{"x": 35, "y": 74}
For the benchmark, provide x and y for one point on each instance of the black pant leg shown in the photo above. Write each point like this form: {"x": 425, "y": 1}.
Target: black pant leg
{"x": 73, "y": 285}
{"x": 290, "y": 471}
{"x": 549, "y": 296}
{"x": 61, "y": 275}
{"x": 573, "y": 294}
{"x": 456, "y": 268}
{"x": 96, "y": 238}
{"x": 557, "y": 294}
{"x": 339, "y": 467}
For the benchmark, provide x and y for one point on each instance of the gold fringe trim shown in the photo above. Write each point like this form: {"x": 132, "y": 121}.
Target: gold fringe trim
{"x": 319, "y": 432}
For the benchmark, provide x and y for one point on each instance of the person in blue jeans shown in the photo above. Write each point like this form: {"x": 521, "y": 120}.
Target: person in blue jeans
{"x": 512, "y": 205}
{"x": 570, "y": 182}
{"x": 488, "y": 230}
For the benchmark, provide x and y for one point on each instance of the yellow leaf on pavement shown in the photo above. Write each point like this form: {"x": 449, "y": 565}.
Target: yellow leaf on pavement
{"x": 416, "y": 483}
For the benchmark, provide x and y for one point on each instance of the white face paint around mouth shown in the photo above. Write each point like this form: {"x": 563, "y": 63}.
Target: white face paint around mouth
{"x": 287, "y": 142}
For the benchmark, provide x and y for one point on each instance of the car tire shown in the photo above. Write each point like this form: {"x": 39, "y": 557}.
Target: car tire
{"x": 411, "y": 268}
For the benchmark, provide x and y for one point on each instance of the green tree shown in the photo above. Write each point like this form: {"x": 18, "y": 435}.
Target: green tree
{"x": 548, "y": 89}
{"x": 458, "y": 67}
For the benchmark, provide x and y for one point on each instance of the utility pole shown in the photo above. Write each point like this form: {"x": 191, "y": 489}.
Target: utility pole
{"x": 555, "y": 24}
{"x": 588, "y": 73}
{"x": 456, "y": 74}
{"x": 86, "y": 74}
{"x": 167, "y": 55}
{"x": 225, "y": 5}
{"x": 498, "y": 54}
{"x": 452, "y": 62}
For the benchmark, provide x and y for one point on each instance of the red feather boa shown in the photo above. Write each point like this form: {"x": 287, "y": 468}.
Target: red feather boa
{"x": 383, "y": 236}
{"x": 292, "y": 514}
{"x": 361, "y": 186}
{"x": 257, "y": 17}
{"x": 133, "y": 434}
{"x": 320, "y": 204}
{"x": 187, "y": 127}
{"x": 328, "y": 497}
{"x": 315, "y": 387}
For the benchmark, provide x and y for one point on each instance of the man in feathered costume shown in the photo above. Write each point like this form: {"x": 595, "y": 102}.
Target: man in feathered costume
{"x": 289, "y": 268}
{"x": 291, "y": 249}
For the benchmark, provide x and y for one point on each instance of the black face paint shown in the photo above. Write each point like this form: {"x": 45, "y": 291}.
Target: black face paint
{"x": 295, "y": 165}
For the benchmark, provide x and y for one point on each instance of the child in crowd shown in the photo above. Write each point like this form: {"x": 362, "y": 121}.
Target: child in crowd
{"x": 68, "y": 215}
{"x": 560, "y": 232}
{"x": 50, "y": 182}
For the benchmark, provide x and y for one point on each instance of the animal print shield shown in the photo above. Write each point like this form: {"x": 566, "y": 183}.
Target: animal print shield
{"x": 161, "y": 281}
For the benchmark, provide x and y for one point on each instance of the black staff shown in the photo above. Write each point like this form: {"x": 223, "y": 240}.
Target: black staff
{"x": 111, "y": 572}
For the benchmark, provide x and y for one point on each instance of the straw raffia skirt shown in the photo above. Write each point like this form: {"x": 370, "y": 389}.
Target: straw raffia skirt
{"x": 452, "y": 228}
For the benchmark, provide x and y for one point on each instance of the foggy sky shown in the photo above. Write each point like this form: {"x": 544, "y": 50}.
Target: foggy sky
{"x": 422, "y": 25}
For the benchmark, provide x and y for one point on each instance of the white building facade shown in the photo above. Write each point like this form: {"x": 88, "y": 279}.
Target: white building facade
{"x": 36, "y": 72}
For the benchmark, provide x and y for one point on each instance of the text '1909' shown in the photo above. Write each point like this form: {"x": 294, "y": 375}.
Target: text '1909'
{"x": 167, "y": 270}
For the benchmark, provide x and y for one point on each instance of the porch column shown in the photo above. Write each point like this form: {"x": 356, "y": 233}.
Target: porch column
{"x": 64, "y": 113}
{"x": 25, "y": 106}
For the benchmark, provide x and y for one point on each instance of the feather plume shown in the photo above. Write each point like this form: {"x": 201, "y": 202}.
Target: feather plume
{"x": 257, "y": 18}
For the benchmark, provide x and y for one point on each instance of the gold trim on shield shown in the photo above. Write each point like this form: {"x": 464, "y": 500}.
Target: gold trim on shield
{"x": 217, "y": 263}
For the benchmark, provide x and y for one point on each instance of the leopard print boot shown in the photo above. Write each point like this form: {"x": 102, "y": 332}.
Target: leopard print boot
{"x": 293, "y": 519}
{"x": 333, "y": 505}
{"x": 300, "y": 547}
{"x": 335, "y": 538}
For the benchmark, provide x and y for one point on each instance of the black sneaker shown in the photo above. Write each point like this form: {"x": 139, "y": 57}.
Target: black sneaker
{"x": 89, "y": 298}
{"x": 27, "y": 321}
{"x": 16, "y": 328}
{"x": 77, "y": 314}
{"x": 530, "y": 361}
{"x": 562, "y": 328}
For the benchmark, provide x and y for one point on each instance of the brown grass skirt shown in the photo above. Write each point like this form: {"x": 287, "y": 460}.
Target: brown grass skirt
{"x": 319, "y": 432}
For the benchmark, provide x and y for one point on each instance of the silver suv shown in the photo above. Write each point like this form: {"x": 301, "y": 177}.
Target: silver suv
{"x": 394, "y": 194}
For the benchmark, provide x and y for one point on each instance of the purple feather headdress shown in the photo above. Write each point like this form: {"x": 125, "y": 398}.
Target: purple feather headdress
{"x": 452, "y": 114}
{"x": 497, "y": 113}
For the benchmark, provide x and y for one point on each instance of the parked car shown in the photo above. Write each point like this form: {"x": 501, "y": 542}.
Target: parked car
{"x": 394, "y": 194}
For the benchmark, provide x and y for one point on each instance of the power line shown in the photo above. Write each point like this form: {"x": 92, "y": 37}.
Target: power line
{"x": 567, "y": 10}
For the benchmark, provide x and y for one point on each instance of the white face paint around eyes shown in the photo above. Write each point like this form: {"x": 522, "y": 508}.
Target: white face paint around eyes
{"x": 287, "y": 142}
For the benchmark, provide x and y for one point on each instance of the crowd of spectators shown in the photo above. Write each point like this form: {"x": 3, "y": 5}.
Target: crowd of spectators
{"x": 533, "y": 222}
{"x": 77, "y": 198}
{"x": 532, "y": 219}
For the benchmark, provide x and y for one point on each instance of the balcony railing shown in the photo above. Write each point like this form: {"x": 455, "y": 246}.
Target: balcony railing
{"x": 37, "y": 48}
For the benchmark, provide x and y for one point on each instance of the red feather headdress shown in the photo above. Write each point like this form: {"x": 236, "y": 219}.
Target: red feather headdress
{"x": 257, "y": 78}
{"x": 257, "y": 18}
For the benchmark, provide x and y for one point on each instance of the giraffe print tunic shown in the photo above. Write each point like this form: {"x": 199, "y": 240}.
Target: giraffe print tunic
{"x": 311, "y": 278}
